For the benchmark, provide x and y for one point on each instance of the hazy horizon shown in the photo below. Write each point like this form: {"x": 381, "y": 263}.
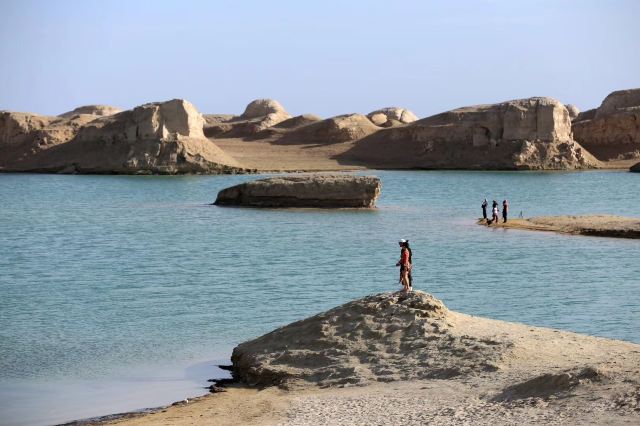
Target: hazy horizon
{"x": 325, "y": 58}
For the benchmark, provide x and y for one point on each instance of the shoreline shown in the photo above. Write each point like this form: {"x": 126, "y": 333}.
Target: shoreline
{"x": 527, "y": 386}
{"x": 587, "y": 225}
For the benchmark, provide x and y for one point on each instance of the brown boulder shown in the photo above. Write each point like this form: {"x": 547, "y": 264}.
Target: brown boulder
{"x": 258, "y": 116}
{"x": 613, "y": 131}
{"x": 387, "y": 117}
{"x": 319, "y": 191}
{"x": 532, "y": 133}
{"x": 343, "y": 128}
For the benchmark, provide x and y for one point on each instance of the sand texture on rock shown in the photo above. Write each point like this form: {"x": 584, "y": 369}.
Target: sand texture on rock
{"x": 392, "y": 359}
{"x": 318, "y": 191}
{"x": 596, "y": 225}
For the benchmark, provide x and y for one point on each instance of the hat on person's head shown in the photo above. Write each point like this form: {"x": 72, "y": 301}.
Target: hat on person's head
{"x": 402, "y": 241}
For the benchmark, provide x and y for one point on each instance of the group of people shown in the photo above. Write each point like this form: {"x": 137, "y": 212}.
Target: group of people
{"x": 405, "y": 264}
{"x": 495, "y": 211}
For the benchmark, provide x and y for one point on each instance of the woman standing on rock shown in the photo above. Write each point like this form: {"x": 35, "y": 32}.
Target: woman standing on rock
{"x": 405, "y": 265}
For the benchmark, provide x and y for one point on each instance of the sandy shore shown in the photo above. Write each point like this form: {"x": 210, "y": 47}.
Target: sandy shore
{"x": 537, "y": 376}
{"x": 597, "y": 225}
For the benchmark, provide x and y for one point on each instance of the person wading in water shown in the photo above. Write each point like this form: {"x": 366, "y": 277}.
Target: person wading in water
{"x": 405, "y": 265}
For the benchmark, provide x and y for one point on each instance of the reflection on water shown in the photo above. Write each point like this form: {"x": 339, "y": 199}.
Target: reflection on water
{"x": 106, "y": 277}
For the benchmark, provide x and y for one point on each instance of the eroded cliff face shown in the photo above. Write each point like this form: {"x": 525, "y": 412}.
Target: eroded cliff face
{"x": 533, "y": 133}
{"x": 612, "y": 131}
{"x": 161, "y": 137}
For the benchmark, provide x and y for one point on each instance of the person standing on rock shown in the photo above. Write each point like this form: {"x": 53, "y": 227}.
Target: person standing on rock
{"x": 405, "y": 265}
{"x": 505, "y": 209}
{"x": 485, "y": 203}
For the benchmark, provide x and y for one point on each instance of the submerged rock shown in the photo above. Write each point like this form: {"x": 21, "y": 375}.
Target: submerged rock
{"x": 612, "y": 131}
{"x": 325, "y": 191}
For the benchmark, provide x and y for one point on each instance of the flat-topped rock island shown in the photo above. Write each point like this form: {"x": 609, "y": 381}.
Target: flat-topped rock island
{"x": 315, "y": 191}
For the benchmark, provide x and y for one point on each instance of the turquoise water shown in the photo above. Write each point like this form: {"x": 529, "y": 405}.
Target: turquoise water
{"x": 120, "y": 292}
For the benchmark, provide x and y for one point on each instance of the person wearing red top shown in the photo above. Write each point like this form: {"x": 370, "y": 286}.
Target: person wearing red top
{"x": 405, "y": 265}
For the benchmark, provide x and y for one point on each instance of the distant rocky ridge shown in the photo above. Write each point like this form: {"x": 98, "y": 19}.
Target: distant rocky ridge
{"x": 173, "y": 137}
{"x": 612, "y": 131}
{"x": 318, "y": 191}
{"x": 524, "y": 134}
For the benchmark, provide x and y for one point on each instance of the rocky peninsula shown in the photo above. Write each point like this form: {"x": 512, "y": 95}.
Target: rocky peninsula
{"x": 396, "y": 358}
{"x": 595, "y": 225}
{"x": 315, "y": 191}
{"x": 172, "y": 137}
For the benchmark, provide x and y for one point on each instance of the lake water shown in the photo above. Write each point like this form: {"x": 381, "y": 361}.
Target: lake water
{"x": 123, "y": 292}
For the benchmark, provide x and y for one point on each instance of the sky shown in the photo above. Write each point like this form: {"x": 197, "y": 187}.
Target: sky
{"x": 325, "y": 57}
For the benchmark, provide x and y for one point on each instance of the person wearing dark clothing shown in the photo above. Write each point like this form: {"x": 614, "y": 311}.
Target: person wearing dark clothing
{"x": 505, "y": 209}
{"x": 485, "y": 203}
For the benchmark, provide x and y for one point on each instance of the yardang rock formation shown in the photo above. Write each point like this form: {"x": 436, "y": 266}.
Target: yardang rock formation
{"x": 533, "y": 133}
{"x": 612, "y": 131}
{"x": 161, "y": 137}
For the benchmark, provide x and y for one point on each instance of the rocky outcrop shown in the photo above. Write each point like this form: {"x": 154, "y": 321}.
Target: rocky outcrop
{"x": 387, "y": 117}
{"x": 320, "y": 191}
{"x": 613, "y": 130}
{"x": 574, "y": 111}
{"x": 384, "y": 337}
{"x": 97, "y": 110}
{"x": 635, "y": 168}
{"x": 161, "y": 137}
{"x": 258, "y": 116}
{"x": 343, "y": 128}
{"x": 532, "y": 133}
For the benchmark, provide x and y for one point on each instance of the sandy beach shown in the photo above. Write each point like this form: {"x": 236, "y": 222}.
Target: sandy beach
{"x": 537, "y": 376}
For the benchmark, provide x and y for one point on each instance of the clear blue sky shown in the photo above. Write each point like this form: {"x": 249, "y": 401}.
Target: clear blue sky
{"x": 326, "y": 57}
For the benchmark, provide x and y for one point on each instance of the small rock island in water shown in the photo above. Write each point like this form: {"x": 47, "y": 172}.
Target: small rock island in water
{"x": 319, "y": 191}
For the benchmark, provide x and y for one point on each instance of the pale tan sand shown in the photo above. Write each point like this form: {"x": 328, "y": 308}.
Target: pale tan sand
{"x": 595, "y": 225}
{"x": 268, "y": 155}
{"x": 542, "y": 376}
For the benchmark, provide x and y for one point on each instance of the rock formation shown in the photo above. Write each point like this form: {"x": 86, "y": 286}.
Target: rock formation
{"x": 384, "y": 337}
{"x": 532, "y": 133}
{"x": 97, "y": 110}
{"x": 574, "y": 111}
{"x": 162, "y": 137}
{"x": 258, "y": 115}
{"x": 323, "y": 191}
{"x": 387, "y": 117}
{"x": 635, "y": 168}
{"x": 612, "y": 131}
{"x": 343, "y": 128}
